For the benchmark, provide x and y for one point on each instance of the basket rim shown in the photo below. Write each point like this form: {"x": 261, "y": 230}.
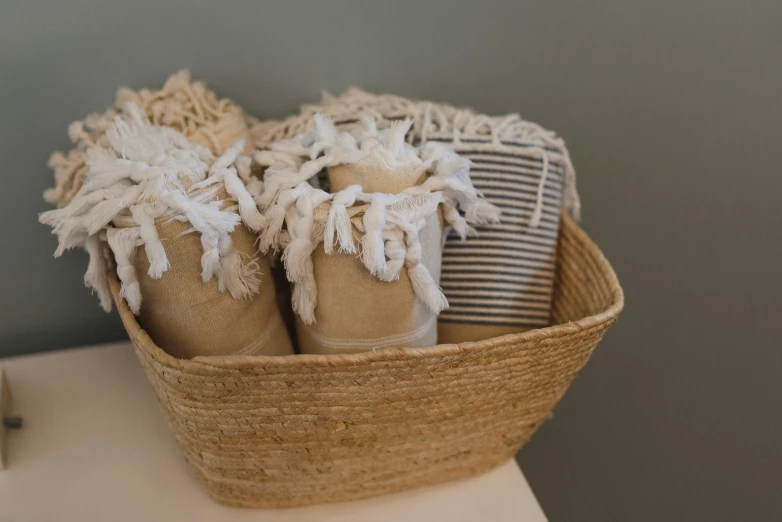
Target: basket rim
{"x": 535, "y": 336}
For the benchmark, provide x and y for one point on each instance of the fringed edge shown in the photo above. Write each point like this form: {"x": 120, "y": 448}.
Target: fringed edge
{"x": 123, "y": 243}
{"x": 388, "y": 224}
{"x": 188, "y": 107}
{"x": 149, "y": 172}
{"x": 429, "y": 120}
{"x": 95, "y": 277}
{"x": 325, "y": 147}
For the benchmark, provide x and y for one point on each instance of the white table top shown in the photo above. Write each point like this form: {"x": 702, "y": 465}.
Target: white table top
{"x": 94, "y": 447}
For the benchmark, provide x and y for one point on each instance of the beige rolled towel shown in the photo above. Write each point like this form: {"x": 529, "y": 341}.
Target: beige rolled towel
{"x": 364, "y": 258}
{"x": 237, "y": 315}
{"x": 355, "y": 310}
{"x": 176, "y": 219}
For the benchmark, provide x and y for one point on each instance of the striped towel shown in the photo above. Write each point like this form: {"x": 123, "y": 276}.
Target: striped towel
{"x": 503, "y": 278}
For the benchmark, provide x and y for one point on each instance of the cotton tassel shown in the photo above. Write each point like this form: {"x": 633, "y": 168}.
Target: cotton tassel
{"x": 210, "y": 222}
{"x": 157, "y": 184}
{"x": 202, "y": 216}
{"x": 267, "y": 158}
{"x": 297, "y": 255}
{"x": 423, "y": 285}
{"x": 395, "y": 252}
{"x": 394, "y": 139}
{"x": 71, "y": 229}
{"x": 304, "y": 298}
{"x": 75, "y": 240}
{"x": 373, "y": 251}
{"x": 95, "y": 277}
{"x": 247, "y": 207}
{"x": 69, "y": 236}
{"x": 455, "y": 220}
{"x": 123, "y": 243}
{"x": 278, "y": 179}
{"x": 237, "y": 273}
{"x": 244, "y": 168}
{"x": 66, "y": 228}
{"x": 255, "y": 189}
{"x": 481, "y": 212}
{"x": 222, "y": 169}
{"x": 338, "y": 222}
{"x": 275, "y": 217}
{"x": 326, "y": 135}
{"x": 409, "y": 213}
{"x": 210, "y": 259}
{"x": 102, "y": 213}
{"x": 106, "y": 169}
{"x": 368, "y": 128}
{"x": 156, "y": 254}
{"x": 55, "y": 218}
{"x": 453, "y": 179}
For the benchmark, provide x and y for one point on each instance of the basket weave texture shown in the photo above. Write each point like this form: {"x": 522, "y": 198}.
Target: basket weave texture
{"x": 269, "y": 431}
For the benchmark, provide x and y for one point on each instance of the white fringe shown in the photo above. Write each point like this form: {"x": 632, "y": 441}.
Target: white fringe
{"x": 338, "y": 223}
{"x": 388, "y": 226}
{"x": 123, "y": 242}
{"x": 372, "y": 244}
{"x": 156, "y": 254}
{"x": 237, "y": 273}
{"x": 429, "y": 119}
{"x": 224, "y": 169}
{"x": 275, "y": 217}
{"x": 146, "y": 171}
{"x": 297, "y": 255}
{"x": 95, "y": 277}
{"x": 423, "y": 284}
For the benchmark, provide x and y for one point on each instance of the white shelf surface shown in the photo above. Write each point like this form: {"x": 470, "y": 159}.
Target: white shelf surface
{"x": 94, "y": 447}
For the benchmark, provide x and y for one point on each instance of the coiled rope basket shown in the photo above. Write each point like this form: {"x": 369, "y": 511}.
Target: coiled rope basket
{"x": 302, "y": 429}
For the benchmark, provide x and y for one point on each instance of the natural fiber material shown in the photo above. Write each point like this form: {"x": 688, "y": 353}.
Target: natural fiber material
{"x": 386, "y": 198}
{"x": 146, "y": 172}
{"x": 185, "y": 106}
{"x": 355, "y": 310}
{"x": 303, "y": 429}
{"x": 188, "y": 317}
{"x": 499, "y": 281}
{"x": 174, "y": 218}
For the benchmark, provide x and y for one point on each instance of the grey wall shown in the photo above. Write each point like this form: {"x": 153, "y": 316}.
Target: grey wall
{"x": 671, "y": 110}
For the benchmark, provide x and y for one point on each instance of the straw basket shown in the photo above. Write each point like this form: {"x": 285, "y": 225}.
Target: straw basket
{"x": 302, "y": 429}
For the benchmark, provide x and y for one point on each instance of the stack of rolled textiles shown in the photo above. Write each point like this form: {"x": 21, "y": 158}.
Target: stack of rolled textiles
{"x": 161, "y": 179}
{"x": 500, "y": 280}
{"x": 397, "y": 223}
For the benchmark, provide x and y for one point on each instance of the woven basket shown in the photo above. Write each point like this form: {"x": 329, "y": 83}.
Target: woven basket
{"x": 302, "y": 429}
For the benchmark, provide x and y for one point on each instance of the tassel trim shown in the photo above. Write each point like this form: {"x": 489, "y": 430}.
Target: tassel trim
{"x": 430, "y": 120}
{"x": 147, "y": 172}
{"x": 387, "y": 225}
